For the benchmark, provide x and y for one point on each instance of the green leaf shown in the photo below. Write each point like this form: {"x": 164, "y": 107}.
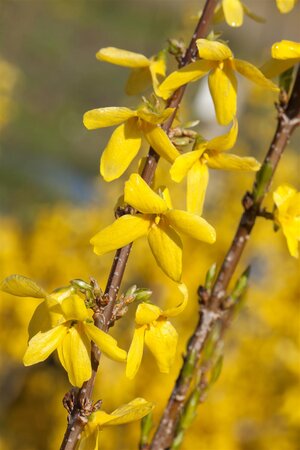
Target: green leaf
{"x": 210, "y": 276}
{"x": 241, "y": 285}
{"x": 262, "y": 180}
{"x": 216, "y": 370}
{"x": 146, "y": 427}
{"x": 285, "y": 79}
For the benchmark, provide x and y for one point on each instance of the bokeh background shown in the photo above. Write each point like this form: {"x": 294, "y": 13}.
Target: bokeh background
{"x": 52, "y": 201}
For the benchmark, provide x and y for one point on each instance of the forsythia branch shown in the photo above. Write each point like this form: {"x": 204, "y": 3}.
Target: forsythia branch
{"x": 81, "y": 400}
{"x": 288, "y": 120}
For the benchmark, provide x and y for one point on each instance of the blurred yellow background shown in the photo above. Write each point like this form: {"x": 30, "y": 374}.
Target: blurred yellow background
{"x": 52, "y": 201}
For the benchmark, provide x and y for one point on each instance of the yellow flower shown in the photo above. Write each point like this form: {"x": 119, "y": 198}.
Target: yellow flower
{"x": 132, "y": 411}
{"x": 145, "y": 71}
{"x": 194, "y": 165}
{"x": 154, "y": 330}
{"x": 62, "y": 322}
{"x": 126, "y": 140}
{"x": 285, "y": 6}
{"x": 159, "y": 222}
{"x": 287, "y": 214}
{"x": 285, "y": 54}
{"x": 217, "y": 60}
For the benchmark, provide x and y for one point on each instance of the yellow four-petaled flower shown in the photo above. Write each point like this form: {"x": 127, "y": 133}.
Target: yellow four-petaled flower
{"x": 153, "y": 329}
{"x": 145, "y": 71}
{"x": 159, "y": 221}
{"x": 208, "y": 154}
{"x": 126, "y": 140}
{"x": 216, "y": 59}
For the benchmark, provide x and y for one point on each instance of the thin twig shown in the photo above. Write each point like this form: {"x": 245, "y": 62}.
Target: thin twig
{"x": 288, "y": 120}
{"x": 81, "y": 405}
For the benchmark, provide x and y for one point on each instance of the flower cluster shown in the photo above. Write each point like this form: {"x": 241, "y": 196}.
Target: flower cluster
{"x": 62, "y": 322}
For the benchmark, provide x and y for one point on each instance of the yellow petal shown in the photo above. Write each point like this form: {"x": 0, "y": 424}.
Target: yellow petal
{"x": 161, "y": 339}
{"x": 285, "y": 6}
{"x": 89, "y": 438}
{"x": 294, "y": 205}
{"x": 122, "y": 57}
{"x": 213, "y": 50}
{"x": 122, "y": 147}
{"x": 43, "y": 344}
{"x": 146, "y": 313}
{"x": 134, "y": 410}
{"x": 158, "y": 65}
{"x": 166, "y": 247}
{"x": 283, "y": 195}
{"x": 225, "y": 141}
{"x": 191, "y": 72}
{"x": 106, "y": 343}
{"x": 41, "y": 318}
{"x": 223, "y": 88}
{"x": 160, "y": 142}
{"x": 98, "y": 420}
{"x": 274, "y": 67}
{"x": 106, "y": 117}
{"x": 185, "y": 162}
{"x": 73, "y": 308}
{"x": 254, "y": 74}
{"x": 74, "y": 354}
{"x": 22, "y": 287}
{"x": 135, "y": 353}
{"x": 124, "y": 230}
{"x": 165, "y": 193}
{"x": 233, "y": 12}
{"x": 157, "y": 69}
{"x": 172, "y": 312}
{"x": 191, "y": 225}
{"x": 228, "y": 161}
{"x": 291, "y": 232}
{"x": 140, "y": 195}
{"x": 139, "y": 80}
{"x": 197, "y": 181}
{"x": 286, "y": 50}
{"x": 47, "y": 315}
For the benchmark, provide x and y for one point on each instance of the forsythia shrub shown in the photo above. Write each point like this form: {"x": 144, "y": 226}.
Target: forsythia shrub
{"x": 75, "y": 319}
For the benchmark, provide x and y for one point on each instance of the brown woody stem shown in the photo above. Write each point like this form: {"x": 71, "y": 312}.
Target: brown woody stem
{"x": 288, "y": 120}
{"x": 82, "y": 403}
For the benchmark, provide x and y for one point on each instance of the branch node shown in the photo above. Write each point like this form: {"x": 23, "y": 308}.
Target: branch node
{"x": 247, "y": 201}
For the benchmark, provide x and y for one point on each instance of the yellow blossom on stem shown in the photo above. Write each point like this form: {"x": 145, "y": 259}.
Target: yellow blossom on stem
{"x": 285, "y": 54}
{"x": 287, "y": 214}
{"x": 208, "y": 154}
{"x": 216, "y": 59}
{"x": 145, "y": 71}
{"x": 63, "y": 323}
{"x": 285, "y": 6}
{"x": 126, "y": 140}
{"x": 132, "y": 411}
{"x": 159, "y": 221}
{"x": 153, "y": 329}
